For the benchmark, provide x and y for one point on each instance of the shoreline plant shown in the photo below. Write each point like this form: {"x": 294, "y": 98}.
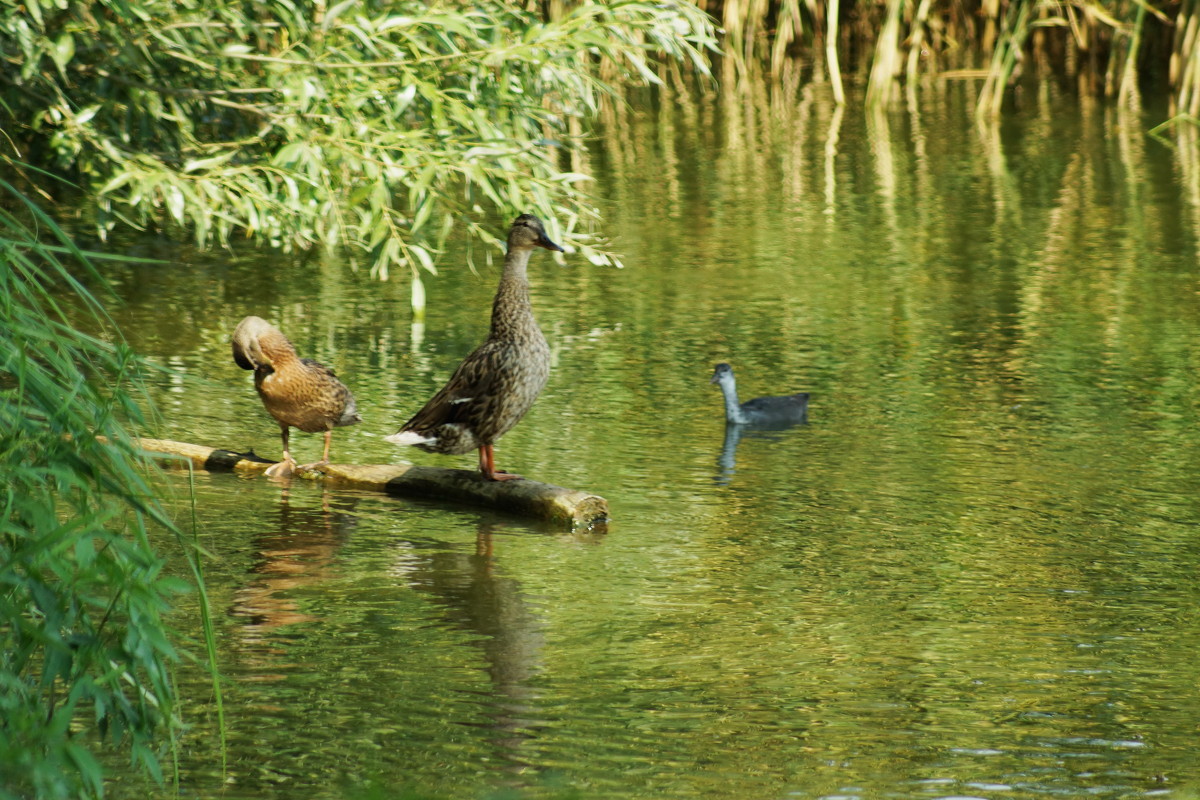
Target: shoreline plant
{"x": 1112, "y": 48}
{"x": 376, "y": 127}
{"x": 85, "y": 653}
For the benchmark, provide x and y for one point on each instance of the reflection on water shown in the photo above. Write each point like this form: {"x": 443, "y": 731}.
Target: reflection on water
{"x": 972, "y": 575}
{"x": 492, "y": 606}
{"x": 734, "y": 432}
{"x": 295, "y": 551}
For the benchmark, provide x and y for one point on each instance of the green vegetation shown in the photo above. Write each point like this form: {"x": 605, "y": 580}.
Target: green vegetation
{"x": 82, "y": 641}
{"x": 1105, "y": 45}
{"x": 380, "y": 127}
{"x": 377, "y": 126}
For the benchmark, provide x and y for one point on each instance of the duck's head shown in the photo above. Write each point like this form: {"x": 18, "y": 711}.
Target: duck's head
{"x": 258, "y": 343}
{"x": 722, "y": 373}
{"x": 527, "y": 233}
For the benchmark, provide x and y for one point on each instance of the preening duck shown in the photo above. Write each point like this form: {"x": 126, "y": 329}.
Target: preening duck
{"x": 297, "y": 392}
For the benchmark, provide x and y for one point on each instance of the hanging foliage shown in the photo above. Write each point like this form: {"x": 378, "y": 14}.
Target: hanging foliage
{"x": 378, "y": 126}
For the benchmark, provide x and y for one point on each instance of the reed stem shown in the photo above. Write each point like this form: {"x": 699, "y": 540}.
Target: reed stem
{"x": 831, "y": 54}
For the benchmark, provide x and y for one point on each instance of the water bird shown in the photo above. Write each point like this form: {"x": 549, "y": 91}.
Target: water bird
{"x": 761, "y": 411}
{"x": 297, "y": 392}
{"x": 499, "y": 381}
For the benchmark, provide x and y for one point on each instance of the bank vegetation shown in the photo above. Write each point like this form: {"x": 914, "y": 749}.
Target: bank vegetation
{"x": 1111, "y": 48}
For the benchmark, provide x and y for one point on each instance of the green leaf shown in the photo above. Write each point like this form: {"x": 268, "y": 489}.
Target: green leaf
{"x": 200, "y": 164}
{"x": 63, "y": 51}
{"x": 85, "y": 114}
{"x": 335, "y": 11}
{"x": 87, "y": 767}
{"x": 173, "y": 196}
{"x": 116, "y": 182}
{"x": 423, "y": 256}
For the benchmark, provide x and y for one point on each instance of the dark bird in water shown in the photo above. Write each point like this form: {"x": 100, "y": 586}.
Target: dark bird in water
{"x": 297, "y": 392}
{"x": 498, "y": 383}
{"x": 765, "y": 411}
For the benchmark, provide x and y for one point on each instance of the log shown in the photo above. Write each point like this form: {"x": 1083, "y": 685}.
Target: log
{"x": 525, "y": 497}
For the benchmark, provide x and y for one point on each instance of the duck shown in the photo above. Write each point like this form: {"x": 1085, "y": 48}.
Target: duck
{"x": 762, "y": 411}
{"x": 297, "y": 392}
{"x": 497, "y": 384}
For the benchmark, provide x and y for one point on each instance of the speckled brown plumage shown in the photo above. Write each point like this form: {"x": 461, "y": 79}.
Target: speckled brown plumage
{"x": 499, "y": 381}
{"x": 297, "y": 392}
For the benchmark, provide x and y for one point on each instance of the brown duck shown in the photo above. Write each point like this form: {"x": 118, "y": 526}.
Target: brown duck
{"x": 497, "y": 383}
{"x": 297, "y": 392}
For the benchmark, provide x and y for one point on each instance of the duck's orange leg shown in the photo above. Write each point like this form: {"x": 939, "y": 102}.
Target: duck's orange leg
{"x": 285, "y": 467}
{"x": 487, "y": 465}
{"x": 324, "y": 462}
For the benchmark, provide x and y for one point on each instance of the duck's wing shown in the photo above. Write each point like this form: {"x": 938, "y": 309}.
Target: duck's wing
{"x": 317, "y": 368}
{"x": 327, "y": 379}
{"x": 318, "y": 392}
{"x": 469, "y": 388}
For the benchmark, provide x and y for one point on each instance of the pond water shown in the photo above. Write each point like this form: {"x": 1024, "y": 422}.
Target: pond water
{"x": 971, "y": 574}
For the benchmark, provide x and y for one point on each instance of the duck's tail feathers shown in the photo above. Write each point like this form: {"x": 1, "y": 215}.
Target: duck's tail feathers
{"x": 408, "y": 438}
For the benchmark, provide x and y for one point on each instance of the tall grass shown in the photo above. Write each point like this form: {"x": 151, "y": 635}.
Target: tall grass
{"x": 84, "y": 652}
{"x": 1114, "y": 47}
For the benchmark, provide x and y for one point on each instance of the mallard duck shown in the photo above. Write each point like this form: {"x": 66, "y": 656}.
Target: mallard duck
{"x": 297, "y": 392}
{"x": 495, "y": 385}
{"x": 788, "y": 410}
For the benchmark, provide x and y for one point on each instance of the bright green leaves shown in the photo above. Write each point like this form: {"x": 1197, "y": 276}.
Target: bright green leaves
{"x": 62, "y": 52}
{"x": 82, "y": 593}
{"x": 376, "y": 128}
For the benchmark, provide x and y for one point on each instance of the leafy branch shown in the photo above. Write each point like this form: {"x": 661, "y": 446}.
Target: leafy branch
{"x": 377, "y": 127}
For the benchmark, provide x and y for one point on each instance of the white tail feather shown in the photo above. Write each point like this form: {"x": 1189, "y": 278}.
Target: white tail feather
{"x": 408, "y": 438}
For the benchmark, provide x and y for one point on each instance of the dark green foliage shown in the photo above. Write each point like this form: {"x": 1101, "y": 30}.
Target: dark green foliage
{"x": 82, "y": 593}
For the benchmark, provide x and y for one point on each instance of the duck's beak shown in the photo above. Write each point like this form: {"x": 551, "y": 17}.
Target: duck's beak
{"x": 713, "y": 379}
{"x": 545, "y": 242}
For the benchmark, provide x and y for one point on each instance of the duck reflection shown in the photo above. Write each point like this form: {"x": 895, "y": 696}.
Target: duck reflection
{"x": 295, "y": 552}
{"x": 734, "y": 433}
{"x": 476, "y": 597}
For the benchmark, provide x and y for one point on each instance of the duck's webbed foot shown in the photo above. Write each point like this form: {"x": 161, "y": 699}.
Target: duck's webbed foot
{"x": 283, "y": 469}
{"x": 487, "y": 466}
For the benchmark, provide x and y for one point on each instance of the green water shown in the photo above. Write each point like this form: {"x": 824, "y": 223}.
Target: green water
{"x": 972, "y": 574}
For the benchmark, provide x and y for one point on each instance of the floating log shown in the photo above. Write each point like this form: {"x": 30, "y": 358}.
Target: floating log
{"x": 525, "y": 497}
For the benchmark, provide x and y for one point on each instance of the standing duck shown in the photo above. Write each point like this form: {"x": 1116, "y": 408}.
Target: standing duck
{"x": 297, "y": 392}
{"x": 495, "y": 385}
{"x": 762, "y": 411}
